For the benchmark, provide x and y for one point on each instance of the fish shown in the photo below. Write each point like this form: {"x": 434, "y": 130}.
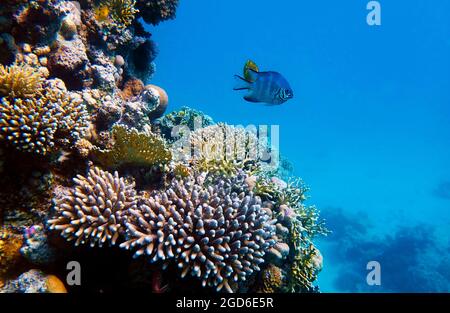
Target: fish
{"x": 270, "y": 88}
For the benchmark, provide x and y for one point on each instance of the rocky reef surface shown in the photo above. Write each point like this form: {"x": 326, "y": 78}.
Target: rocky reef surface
{"x": 93, "y": 170}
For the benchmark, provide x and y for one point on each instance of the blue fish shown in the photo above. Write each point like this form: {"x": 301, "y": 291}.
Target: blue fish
{"x": 267, "y": 87}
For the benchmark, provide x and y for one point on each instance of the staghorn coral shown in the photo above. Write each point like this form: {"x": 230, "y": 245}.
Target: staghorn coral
{"x": 36, "y": 124}
{"x": 92, "y": 210}
{"x": 211, "y": 233}
{"x": 133, "y": 148}
{"x": 155, "y": 11}
{"x": 21, "y": 81}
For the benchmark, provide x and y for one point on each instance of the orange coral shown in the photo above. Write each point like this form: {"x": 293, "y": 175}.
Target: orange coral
{"x": 10, "y": 256}
{"x": 132, "y": 88}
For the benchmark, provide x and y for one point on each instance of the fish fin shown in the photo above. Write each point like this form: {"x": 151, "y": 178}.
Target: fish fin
{"x": 252, "y": 74}
{"x": 241, "y": 83}
{"x": 250, "y": 99}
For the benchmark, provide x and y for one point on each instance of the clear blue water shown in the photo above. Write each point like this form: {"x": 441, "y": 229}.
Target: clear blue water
{"x": 368, "y": 130}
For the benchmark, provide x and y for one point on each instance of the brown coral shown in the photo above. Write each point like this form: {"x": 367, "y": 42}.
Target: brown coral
{"x": 271, "y": 279}
{"x": 92, "y": 210}
{"x": 10, "y": 245}
{"x": 19, "y": 81}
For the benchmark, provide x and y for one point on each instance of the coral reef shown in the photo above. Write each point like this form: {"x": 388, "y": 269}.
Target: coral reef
{"x": 34, "y": 281}
{"x": 171, "y": 125}
{"x": 211, "y": 232}
{"x": 91, "y": 211}
{"x": 133, "y": 148}
{"x": 36, "y": 248}
{"x": 89, "y": 156}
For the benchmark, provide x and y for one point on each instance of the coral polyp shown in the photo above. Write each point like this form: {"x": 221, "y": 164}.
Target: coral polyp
{"x": 91, "y": 211}
{"x": 210, "y": 232}
{"x": 21, "y": 81}
{"x": 35, "y": 124}
{"x": 121, "y": 11}
{"x": 134, "y": 148}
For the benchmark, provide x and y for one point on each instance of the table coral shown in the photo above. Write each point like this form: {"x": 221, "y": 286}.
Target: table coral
{"x": 134, "y": 148}
{"x": 91, "y": 211}
{"x": 211, "y": 233}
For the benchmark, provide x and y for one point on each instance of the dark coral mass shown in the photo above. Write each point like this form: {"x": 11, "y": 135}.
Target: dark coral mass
{"x": 89, "y": 168}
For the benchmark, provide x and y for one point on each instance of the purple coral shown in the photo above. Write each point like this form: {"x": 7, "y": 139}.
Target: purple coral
{"x": 91, "y": 212}
{"x": 210, "y": 232}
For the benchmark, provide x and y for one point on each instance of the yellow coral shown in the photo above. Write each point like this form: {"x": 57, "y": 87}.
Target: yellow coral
{"x": 181, "y": 171}
{"x": 121, "y": 11}
{"x": 19, "y": 81}
{"x": 134, "y": 148}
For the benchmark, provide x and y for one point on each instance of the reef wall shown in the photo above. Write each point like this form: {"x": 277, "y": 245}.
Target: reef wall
{"x": 90, "y": 171}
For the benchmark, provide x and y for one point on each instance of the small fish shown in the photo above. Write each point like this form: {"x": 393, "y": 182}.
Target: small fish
{"x": 267, "y": 87}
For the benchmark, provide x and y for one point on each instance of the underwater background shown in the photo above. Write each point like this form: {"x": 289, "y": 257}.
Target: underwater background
{"x": 368, "y": 129}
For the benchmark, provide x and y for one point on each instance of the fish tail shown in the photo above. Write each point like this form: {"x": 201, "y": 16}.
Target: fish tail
{"x": 241, "y": 83}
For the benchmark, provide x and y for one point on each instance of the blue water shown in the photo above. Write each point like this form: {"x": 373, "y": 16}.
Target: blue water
{"x": 368, "y": 129}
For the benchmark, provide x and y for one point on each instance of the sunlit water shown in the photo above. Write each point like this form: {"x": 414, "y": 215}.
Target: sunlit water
{"x": 368, "y": 129}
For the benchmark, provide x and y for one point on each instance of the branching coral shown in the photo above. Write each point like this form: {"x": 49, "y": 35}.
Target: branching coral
{"x": 304, "y": 269}
{"x": 35, "y": 124}
{"x": 155, "y": 11}
{"x": 134, "y": 148}
{"x": 92, "y": 210}
{"x": 211, "y": 232}
{"x": 29, "y": 125}
{"x": 21, "y": 81}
